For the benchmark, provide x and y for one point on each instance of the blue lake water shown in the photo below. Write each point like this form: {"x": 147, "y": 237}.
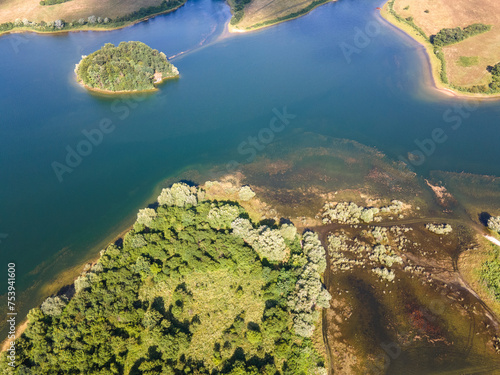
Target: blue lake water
{"x": 227, "y": 91}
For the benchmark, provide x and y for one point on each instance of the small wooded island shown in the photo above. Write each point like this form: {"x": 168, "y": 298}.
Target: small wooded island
{"x": 131, "y": 66}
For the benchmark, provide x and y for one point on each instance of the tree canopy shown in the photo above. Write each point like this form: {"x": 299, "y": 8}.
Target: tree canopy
{"x": 128, "y": 67}
{"x": 457, "y": 34}
{"x": 184, "y": 294}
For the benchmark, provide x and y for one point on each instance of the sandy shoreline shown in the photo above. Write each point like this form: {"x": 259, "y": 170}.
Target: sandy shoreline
{"x": 434, "y": 64}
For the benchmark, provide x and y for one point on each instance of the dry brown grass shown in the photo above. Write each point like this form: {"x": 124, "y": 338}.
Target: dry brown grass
{"x": 449, "y": 14}
{"x": 267, "y": 10}
{"x": 217, "y": 305}
{"x": 69, "y": 11}
{"x": 470, "y": 263}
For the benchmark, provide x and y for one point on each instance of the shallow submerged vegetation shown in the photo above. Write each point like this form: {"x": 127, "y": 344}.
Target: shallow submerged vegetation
{"x": 186, "y": 292}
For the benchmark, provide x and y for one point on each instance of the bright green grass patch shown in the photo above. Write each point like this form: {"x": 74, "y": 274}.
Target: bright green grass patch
{"x": 467, "y": 61}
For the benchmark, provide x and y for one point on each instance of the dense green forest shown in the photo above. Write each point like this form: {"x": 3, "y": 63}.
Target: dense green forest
{"x": 127, "y": 67}
{"x": 449, "y": 36}
{"x": 194, "y": 288}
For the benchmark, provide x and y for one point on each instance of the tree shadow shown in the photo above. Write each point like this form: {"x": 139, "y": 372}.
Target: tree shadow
{"x": 189, "y": 183}
{"x": 67, "y": 290}
{"x": 252, "y": 326}
{"x": 284, "y": 221}
{"x": 271, "y": 223}
{"x": 484, "y": 217}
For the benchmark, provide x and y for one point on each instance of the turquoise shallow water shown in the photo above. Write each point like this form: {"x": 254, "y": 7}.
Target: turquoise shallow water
{"x": 228, "y": 89}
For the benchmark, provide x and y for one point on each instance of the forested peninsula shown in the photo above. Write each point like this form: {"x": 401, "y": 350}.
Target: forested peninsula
{"x": 195, "y": 287}
{"x": 130, "y": 66}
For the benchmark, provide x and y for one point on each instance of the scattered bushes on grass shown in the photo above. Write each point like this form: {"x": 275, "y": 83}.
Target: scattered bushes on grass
{"x": 439, "y": 228}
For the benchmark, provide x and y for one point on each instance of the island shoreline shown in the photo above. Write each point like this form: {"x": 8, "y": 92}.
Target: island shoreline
{"x": 123, "y": 92}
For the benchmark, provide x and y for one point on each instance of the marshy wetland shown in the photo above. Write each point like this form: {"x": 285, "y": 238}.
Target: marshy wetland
{"x": 404, "y": 298}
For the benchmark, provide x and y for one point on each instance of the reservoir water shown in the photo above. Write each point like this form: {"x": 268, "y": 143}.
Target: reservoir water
{"x": 339, "y": 71}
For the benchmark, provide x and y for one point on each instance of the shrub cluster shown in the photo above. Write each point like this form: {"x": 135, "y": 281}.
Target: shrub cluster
{"x": 385, "y": 256}
{"x": 351, "y": 213}
{"x": 348, "y": 213}
{"x": 345, "y": 253}
{"x": 449, "y": 36}
{"x": 494, "y": 223}
{"x": 180, "y": 195}
{"x": 439, "y": 228}
{"x": 267, "y": 242}
{"x": 246, "y": 193}
{"x": 384, "y": 273}
{"x": 309, "y": 291}
{"x": 223, "y": 216}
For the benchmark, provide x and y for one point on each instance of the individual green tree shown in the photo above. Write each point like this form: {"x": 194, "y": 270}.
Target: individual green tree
{"x": 246, "y": 193}
{"x": 54, "y": 306}
{"x": 179, "y": 195}
{"x": 145, "y": 216}
{"x": 222, "y": 217}
{"x": 270, "y": 244}
{"x": 288, "y": 232}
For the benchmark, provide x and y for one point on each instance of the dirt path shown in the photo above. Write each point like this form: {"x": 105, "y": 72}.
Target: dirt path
{"x": 492, "y": 240}
{"x": 19, "y": 331}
